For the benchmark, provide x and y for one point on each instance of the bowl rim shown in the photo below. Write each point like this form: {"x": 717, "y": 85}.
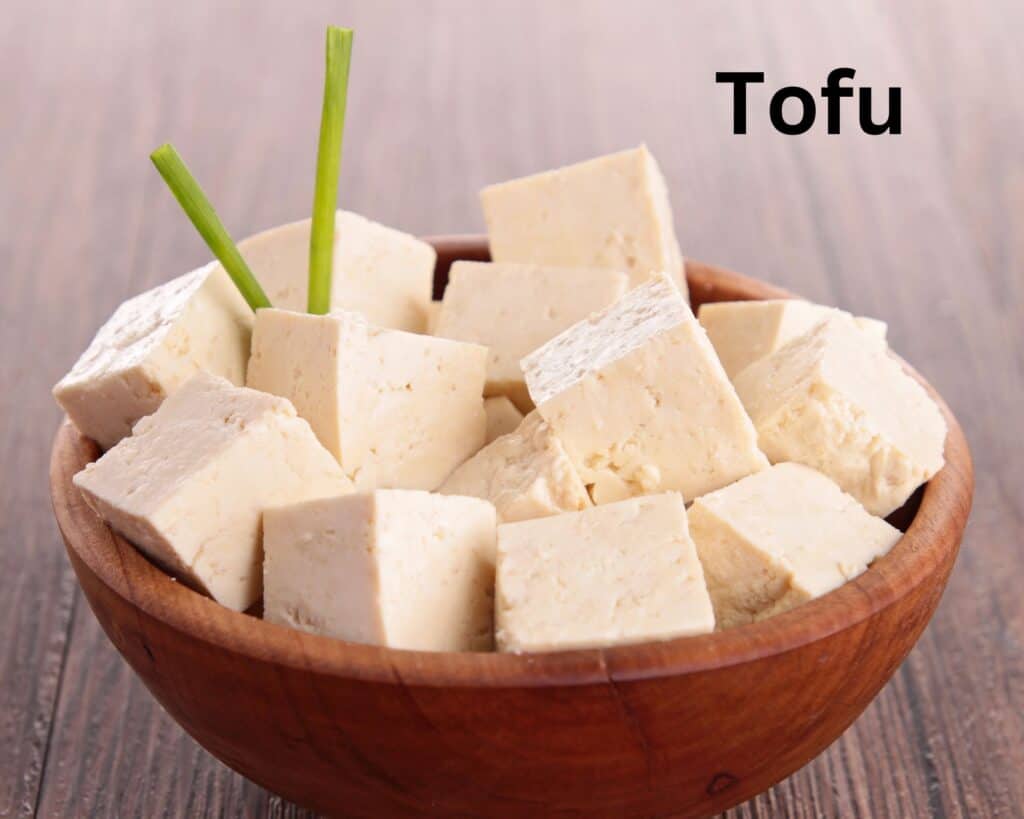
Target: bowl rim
{"x": 929, "y": 543}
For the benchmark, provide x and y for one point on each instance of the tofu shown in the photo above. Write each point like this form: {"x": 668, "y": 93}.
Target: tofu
{"x": 150, "y": 346}
{"x": 525, "y": 474}
{"x": 834, "y": 401}
{"x": 378, "y": 271}
{"x": 779, "y": 538}
{"x": 188, "y": 487}
{"x": 396, "y": 568}
{"x": 502, "y": 417}
{"x": 640, "y": 401}
{"x": 744, "y": 331}
{"x": 611, "y": 212}
{"x": 512, "y": 309}
{"x": 398, "y": 410}
{"x": 622, "y": 573}
{"x": 433, "y": 314}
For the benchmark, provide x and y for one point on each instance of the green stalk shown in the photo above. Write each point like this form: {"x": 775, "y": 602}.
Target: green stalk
{"x": 201, "y": 213}
{"x": 328, "y": 166}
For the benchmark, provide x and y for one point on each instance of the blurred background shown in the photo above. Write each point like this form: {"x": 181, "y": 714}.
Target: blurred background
{"x": 924, "y": 230}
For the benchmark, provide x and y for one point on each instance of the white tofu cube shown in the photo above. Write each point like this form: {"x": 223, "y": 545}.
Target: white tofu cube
{"x": 502, "y": 417}
{"x": 622, "y": 573}
{"x": 525, "y": 474}
{"x": 188, "y": 487}
{"x": 378, "y": 271}
{"x": 395, "y": 568}
{"x": 150, "y": 346}
{"x": 779, "y": 538}
{"x": 512, "y": 309}
{"x": 640, "y": 401}
{"x": 611, "y": 212}
{"x": 744, "y": 331}
{"x": 836, "y": 402}
{"x": 398, "y": 410}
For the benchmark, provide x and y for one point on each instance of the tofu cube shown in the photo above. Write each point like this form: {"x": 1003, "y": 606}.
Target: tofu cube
{"x": 150, "y": 346}
{"x": 640, "y": 401}
{"x": 188, "y": 487}
{"x": 836, "y": 402}
{"x": 779, "y": 538}
{"x": 611, "y": 212}
{"x": 385, "y": 274}
{"x": 512, "y": 309}
{"x": 744, "y": 331}
{"x": 525, "y": 474}
{"x": 502, "y": 417}
{"x": 622, "y": 573}
{"x": 398, "y": 410}
{"x": 396, "y": 568}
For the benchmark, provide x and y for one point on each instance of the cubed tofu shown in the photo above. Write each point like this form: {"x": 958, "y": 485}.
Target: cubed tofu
{"x": 394, "y": 567}
{"x": 836, "y": 402}
{"x": 502, "y": 417}
{"x": 512, "y": 309}
{"x": 744, "y": 331}
{"x": 779, "y": 538}
{"x": 640, "y": 401}
{"x": 150, "y": 346}
{"x": 188, "y": 487}
{"x": 622, "y": 573}
{"x": 398, "y": 410}
{"x": 525, "y": 474}
{"x": 378, "y": 271}
{"x": 611, "y": 212}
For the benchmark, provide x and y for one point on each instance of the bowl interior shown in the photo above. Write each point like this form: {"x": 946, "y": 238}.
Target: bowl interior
{"x": 938, "y": 507}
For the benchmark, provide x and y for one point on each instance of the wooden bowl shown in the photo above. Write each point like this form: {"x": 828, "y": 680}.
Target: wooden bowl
{"x": 684, "y": 727}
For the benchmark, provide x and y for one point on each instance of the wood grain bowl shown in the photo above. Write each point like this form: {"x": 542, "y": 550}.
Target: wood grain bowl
{"x": 685, "y": 727}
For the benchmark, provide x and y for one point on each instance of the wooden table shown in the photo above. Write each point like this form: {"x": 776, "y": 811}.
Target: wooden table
{"x": 923, "y": 230}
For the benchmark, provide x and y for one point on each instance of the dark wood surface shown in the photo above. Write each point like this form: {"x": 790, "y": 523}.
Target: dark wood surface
{"x": 924, "y": 230}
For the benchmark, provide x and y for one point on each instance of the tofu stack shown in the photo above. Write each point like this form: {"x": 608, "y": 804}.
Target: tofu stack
{"x": 509, "y": 468}
{"x": 190, "y": 484}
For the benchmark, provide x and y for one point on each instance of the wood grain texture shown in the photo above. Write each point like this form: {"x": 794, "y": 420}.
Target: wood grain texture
{"x": 668, "y": 728}
{"x": 923, "y": 230}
